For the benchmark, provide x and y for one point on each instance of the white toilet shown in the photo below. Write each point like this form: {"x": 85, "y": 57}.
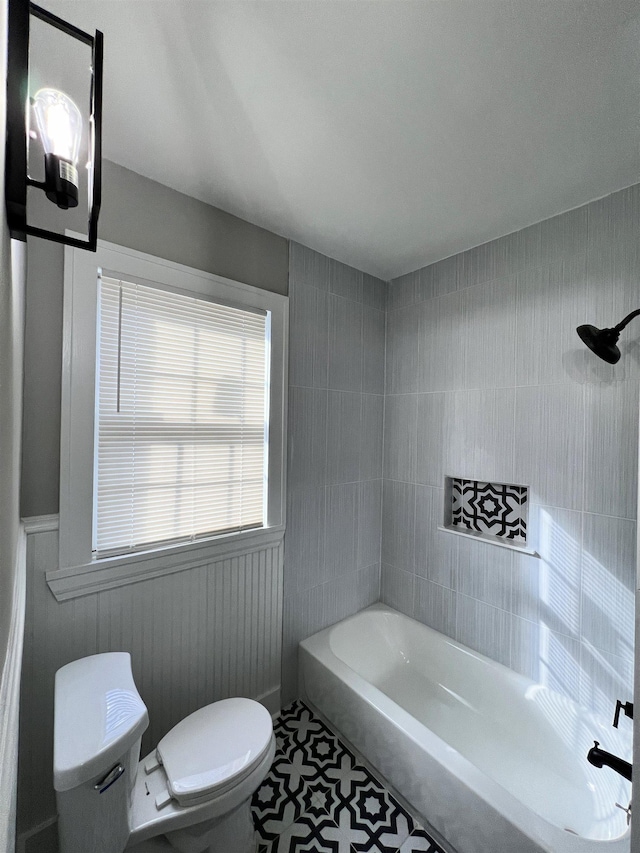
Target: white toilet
{"x": 191, "y": 794}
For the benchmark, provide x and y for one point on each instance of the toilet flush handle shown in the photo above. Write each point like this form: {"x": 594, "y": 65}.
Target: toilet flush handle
{"x": 112, "y": 776}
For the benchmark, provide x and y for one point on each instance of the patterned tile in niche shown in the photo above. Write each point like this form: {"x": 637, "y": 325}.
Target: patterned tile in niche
{"x": 494, "y": 508}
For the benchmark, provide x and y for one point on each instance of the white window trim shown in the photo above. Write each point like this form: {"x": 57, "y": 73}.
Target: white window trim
{"x": 79, "y": 571}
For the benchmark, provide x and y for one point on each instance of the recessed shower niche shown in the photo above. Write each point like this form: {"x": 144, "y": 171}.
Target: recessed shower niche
{"x": 494, "y": 512}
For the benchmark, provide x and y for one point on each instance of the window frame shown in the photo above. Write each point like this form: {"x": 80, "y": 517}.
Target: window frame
{"x": 78, "y": 419}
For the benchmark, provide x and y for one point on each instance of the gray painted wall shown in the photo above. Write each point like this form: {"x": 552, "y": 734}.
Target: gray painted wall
{"x": 144, "y": 215}
{"x": 334, "y": 485}
{"x": 486, "y": 378}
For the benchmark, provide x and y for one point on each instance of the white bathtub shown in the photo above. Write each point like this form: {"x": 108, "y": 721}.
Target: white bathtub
{"x": 493, "y": 761}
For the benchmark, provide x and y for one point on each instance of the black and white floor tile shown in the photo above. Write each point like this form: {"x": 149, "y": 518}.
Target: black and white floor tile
{"x": 317, "y": 798}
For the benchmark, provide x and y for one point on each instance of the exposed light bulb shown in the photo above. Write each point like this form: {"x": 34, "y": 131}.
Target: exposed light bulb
{"x": 59, "y": 123}
{"x": 60, "y": 126}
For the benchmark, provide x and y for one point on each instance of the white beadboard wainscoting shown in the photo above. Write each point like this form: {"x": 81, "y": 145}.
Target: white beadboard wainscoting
{"x": 10, "y": 673}
{"x": 195, "y": 636}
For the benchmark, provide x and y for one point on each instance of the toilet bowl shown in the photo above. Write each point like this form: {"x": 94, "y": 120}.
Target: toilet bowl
{"x": 192, "y": 793}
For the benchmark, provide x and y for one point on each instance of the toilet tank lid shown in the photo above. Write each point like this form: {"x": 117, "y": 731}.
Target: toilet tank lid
{"x": 98, "y": 716}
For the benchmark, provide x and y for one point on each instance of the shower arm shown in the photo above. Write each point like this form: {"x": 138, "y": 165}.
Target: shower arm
{"x": 626, "y": 320}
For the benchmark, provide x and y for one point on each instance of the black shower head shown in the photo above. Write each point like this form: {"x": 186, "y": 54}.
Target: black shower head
{"x": 601, "y": 341}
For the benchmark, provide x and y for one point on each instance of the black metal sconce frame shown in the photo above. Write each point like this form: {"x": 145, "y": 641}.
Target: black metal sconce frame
{"x": 16, "y": 177}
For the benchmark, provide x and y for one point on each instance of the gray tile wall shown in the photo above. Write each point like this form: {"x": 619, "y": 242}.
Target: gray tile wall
{"x": 486, "y": 378}
{"x": 336, "y": 407}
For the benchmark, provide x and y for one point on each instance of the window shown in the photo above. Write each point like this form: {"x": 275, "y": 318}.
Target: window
{"x": 173, "y": 412}
{"x": 182, "y": 422}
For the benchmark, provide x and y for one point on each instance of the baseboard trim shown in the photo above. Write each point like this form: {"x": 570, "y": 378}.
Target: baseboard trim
{"x": 271, "y": 701}
{"x": 23, "y": 837}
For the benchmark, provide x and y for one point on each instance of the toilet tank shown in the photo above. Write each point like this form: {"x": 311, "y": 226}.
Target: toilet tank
{"x": 99, "y": 719}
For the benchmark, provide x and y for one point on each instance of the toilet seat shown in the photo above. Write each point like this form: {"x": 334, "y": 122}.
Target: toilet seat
{"x": 148, "y": 821}
{"x": 214, "y": 749}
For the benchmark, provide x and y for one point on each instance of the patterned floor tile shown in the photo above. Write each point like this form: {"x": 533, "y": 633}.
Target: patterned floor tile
{"x": 280, "y": 799}
{"x": 346, "y": 777}
{"x": 322, "y": 754}
{"x": 420, "y": 842}
{"x": 315, "y": 798}
{"x": 283, "y": 741}
{"x": 374, "y": 821}
{"x": 323, "y": 793}
{"x": 311, "y": 834}
{"x": 301, "y": 727}
{"x": 296, "y": 767}
{"x": 318, "y": 799}
{"x": 298, "y": 722}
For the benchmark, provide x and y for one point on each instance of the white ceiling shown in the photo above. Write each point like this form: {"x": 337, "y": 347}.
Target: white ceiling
{"x": 385, "y": 134}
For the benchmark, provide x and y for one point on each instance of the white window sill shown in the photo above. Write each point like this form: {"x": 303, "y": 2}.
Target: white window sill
{"x": 111, "y": 572}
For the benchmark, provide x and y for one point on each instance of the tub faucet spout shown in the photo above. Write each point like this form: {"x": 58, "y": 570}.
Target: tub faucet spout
{"x": 599, "y": 758}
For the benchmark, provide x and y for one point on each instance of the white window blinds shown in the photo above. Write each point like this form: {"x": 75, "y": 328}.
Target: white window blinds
{"x": 181, "y": 421}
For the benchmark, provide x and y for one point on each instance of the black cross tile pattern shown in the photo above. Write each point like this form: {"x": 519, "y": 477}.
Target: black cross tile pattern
{"x": 317, "y": 798}
{"x": 494, "y": 508}
{"x": 419, "y": 842}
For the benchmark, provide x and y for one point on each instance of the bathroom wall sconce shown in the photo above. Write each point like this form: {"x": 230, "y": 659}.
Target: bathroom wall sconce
{"x": 603, "y": 341}
{"x": 48, "y": 134}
